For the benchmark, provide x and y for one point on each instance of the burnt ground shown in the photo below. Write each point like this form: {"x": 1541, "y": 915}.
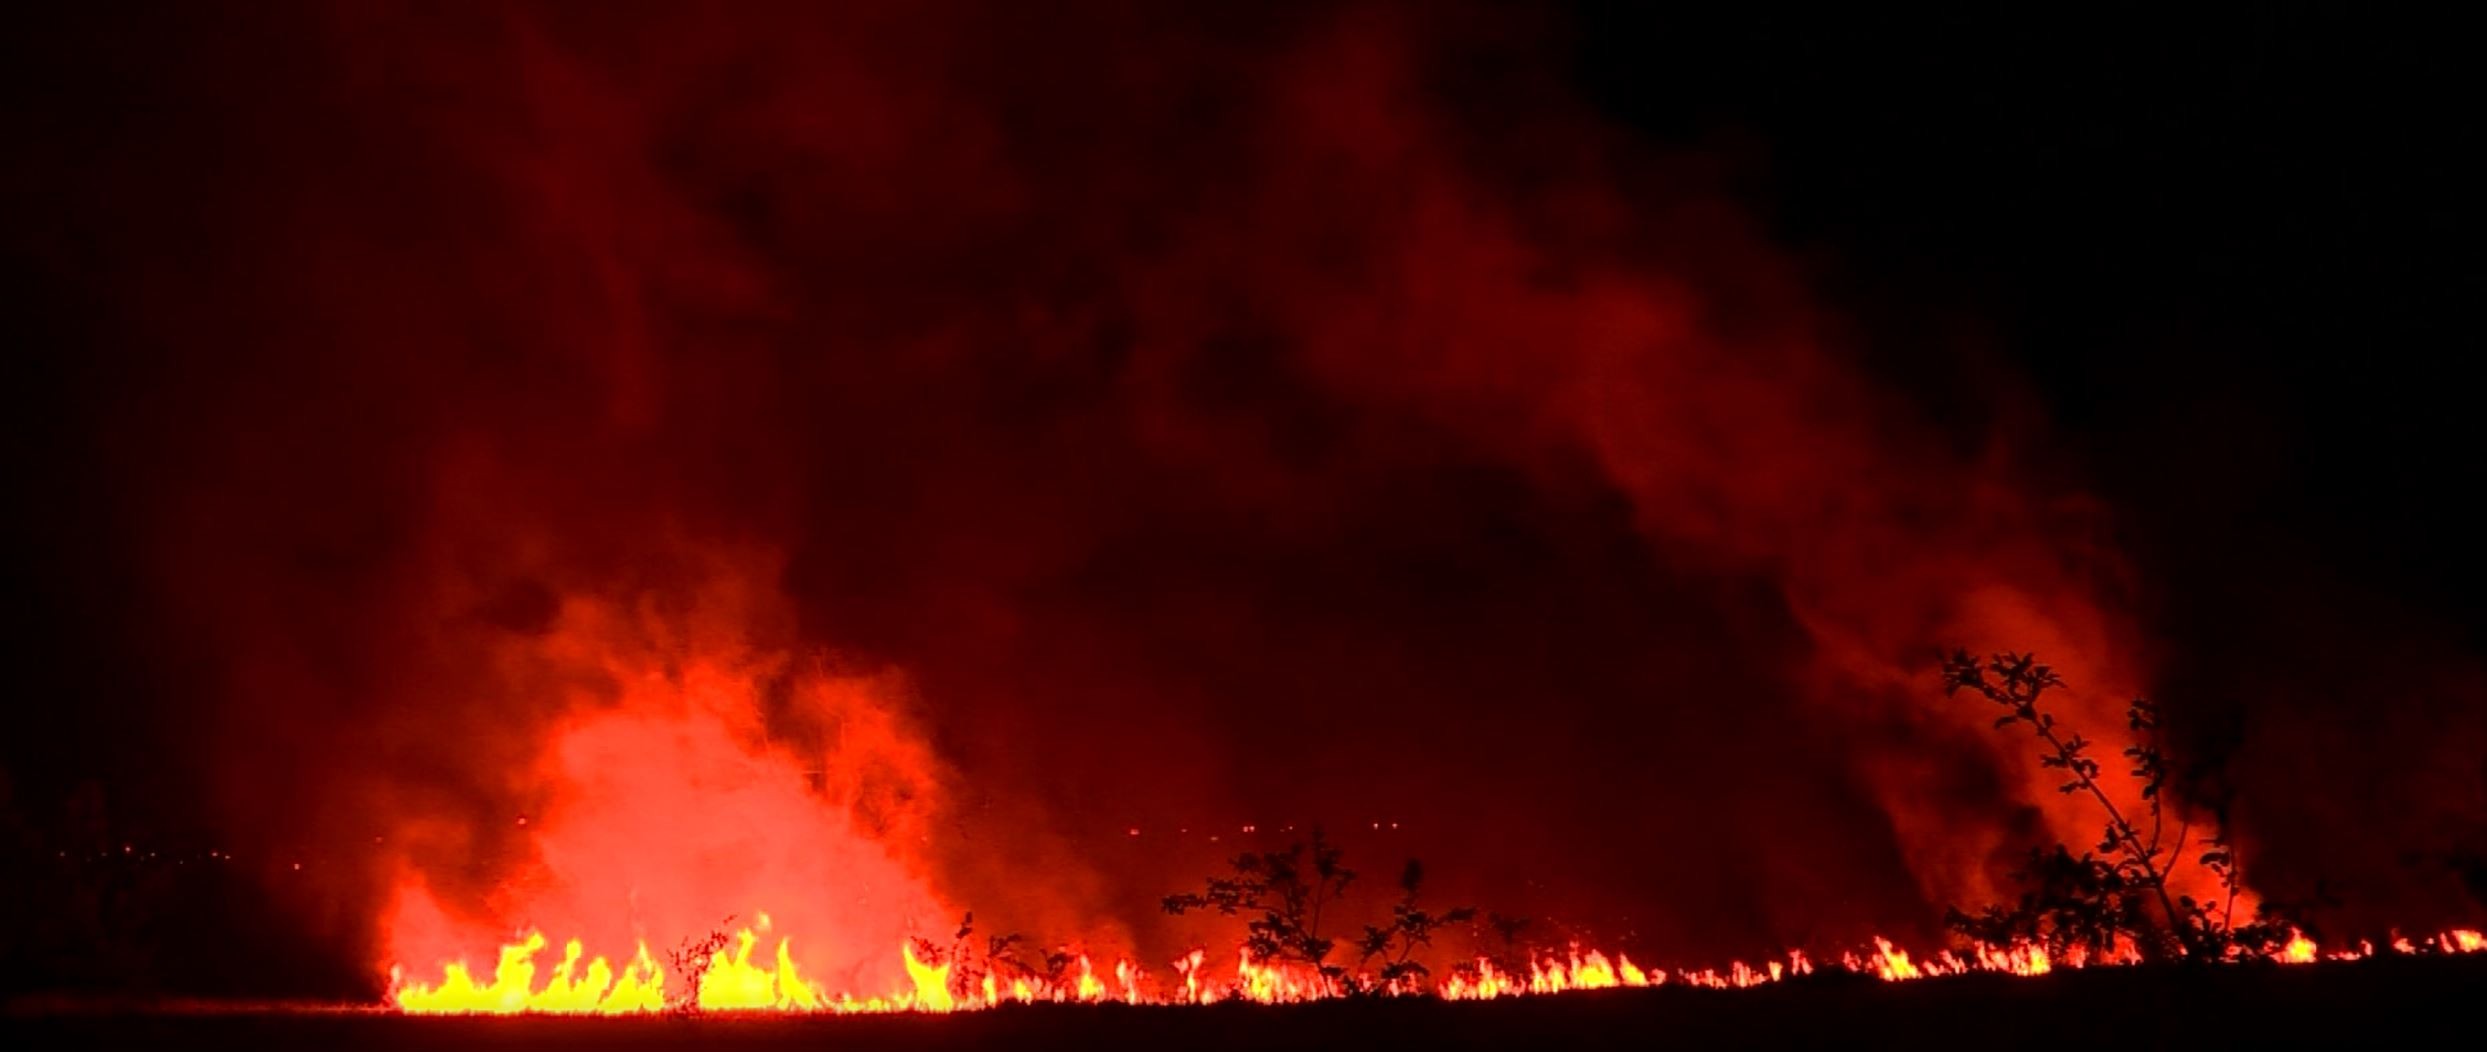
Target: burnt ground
{"x": 2356, "y": 1003}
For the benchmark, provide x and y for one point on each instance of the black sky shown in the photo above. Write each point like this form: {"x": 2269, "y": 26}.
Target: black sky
{"x": 2236, "y": 256}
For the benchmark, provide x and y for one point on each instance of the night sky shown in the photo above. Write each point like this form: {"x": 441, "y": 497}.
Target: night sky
{"x": 1569, "y": 434}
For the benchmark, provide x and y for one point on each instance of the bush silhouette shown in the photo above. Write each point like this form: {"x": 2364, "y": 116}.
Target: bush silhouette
{"x": 2118, "y": 891}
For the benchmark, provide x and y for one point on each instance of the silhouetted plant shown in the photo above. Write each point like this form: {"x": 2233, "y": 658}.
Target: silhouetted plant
{"x": 2066, "y": 902}
{"x": 998, "y": 957}
{"x": 1058, "y": 962}
{"x": 1411, "y": 928}
{"x": 1287, "y": 892}
{"x": 691, "y": 959}
{"x": 2095, "y": 898}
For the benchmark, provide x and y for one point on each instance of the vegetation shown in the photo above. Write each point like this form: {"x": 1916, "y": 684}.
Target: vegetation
{"x": 691, "y": 959}
{"x": 1004, "y": 957}
{"x": 1286, "y": 893}
{"x": 2117, "y": 892}
{"x": 1393, "y": 946}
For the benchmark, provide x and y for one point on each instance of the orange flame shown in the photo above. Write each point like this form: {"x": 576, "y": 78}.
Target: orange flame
{"x": 744, "y": 980}
{"x": 2300, "y": 950}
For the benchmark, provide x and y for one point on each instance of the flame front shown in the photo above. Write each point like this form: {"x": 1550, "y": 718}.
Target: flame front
{"x": 746, "y": 980}
{"x": 640, "y": 986}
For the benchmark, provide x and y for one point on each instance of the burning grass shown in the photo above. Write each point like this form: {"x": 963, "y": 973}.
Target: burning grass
{"x": 2101, "y": 918}
{"x": 745, "y": 978}
{"x": 2386, "y": 998}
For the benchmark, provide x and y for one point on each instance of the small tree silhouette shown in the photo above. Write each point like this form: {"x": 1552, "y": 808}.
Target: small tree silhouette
{"x": 2101, "y": 895}
{"x": 1288, "y": 895}
{"x": 1410, "y": 929}
{"x": 1287, "y": 892}
{"x": 999, "y": 957}
{"x": 691, "y": 960}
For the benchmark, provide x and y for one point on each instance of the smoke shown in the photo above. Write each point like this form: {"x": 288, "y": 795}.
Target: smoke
{"x": 866, "y": 464}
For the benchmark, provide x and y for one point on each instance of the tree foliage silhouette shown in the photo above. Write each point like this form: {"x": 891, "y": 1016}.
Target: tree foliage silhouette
{"x": 2106, "y": 895}
{"x": 1286, "y": 894}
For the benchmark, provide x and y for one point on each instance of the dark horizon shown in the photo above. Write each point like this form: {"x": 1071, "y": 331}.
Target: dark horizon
{"x": 1204, "y": 419}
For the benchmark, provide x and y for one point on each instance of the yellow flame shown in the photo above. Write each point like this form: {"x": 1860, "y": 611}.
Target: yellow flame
{"x": 597, "y": 990}
{"x": 2300, "y": 950}
{"x": 743, "y": 979}
{"x": 932, "y": 982}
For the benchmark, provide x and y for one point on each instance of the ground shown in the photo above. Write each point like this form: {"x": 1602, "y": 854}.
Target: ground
{"x": 2358, "y": 1003}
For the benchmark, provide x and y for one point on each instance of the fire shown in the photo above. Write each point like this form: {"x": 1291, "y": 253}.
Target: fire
{"x": 734, "y": 983}
{"x": 2018, "y": 960}
{"x": 932, "y": 982}
{"x": 640, "y": 987}
{"x": 2300, "y": 950}
{"x": 750, "y": 817}
{"x": 1891, "y": 963}
{"x": 744, "y": 979}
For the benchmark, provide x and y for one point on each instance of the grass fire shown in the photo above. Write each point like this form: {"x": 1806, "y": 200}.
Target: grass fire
{"x": 2099, "y": 916}
{"x": 1237, "y": 525}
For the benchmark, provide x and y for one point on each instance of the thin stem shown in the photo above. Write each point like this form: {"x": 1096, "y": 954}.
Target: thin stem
{"x": 2158, "y": 824}
{"x": 2127, "y": 837}
{"x": 2228, "y": 876}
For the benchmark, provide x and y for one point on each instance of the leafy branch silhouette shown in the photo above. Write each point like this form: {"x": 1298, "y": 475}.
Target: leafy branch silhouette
{"x": 691, "y": 959}
{"x": 1286, "y": 892}
{"x": 1411, "y": 928}
{"x": 2105, "y": 894}
{"x": 1289, "y": 896}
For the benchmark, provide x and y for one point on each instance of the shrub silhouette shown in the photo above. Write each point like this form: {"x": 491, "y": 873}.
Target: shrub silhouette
{"x": 1286, "y": 892}
{"x": 691, "y": 959}
{"x": 2107, "y": 894}
{"x": 1411, "y": 927}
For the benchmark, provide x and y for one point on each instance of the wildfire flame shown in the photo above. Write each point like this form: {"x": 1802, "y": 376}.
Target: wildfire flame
{"x": 745, "y": 980}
